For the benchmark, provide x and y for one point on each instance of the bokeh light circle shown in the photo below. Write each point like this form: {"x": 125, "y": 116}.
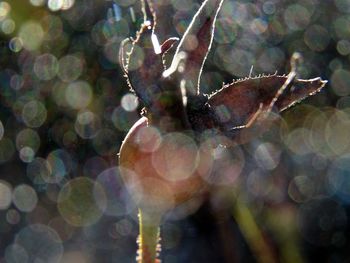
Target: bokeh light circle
{"x": 118, "y": 200}
{"x": 70, "y": 68}
{"x": 226, "y": 31}
{"x": 297, "y": 142}
{"x": 342, "y": 5}
{"x": 54, "y": 5}
{"x": 297, "y": 17}
{"x": 26, "y": 154}
{"x": 41, "y": 244}
{"x": 13, "y": 217}
{"x": 53, "y": 29}
{"x": 78, "y": 94}
{"x": 32, "y": 35}
{"x": 28, "y": 138}
{"x": 176, "y": 158}
{"x": 77, "y": 202}
{"x": 337, "y": 132}
{"x": 123, "y": 227}
{"x": 24, "y": 198}
{"x": 129, "y": 102}
{"x": 8, "y": 26}
{"x": 340, "y": 82}
{"x": 148, "y": 139}
{"x": 267, "y": 156}
{"x": 269, "y": 7}
{"x": 301, "y": 188}
{"x": 16, "y": 253}
{"x": 343, "y": 47}
{"x": 38, "y": 171}
{"x": 87, "y": 124}
{"x": 259, "y": 183}
{"x": 5, "y": 9}
{"x": 16, "y": 44}
{"x": 61, "y": 163}
{"x": 227, "y": 165}
{"x": 316, "y": 38}
{"x": 37, "y": 2}
{"x": 46, "y": 66}
{"x": 34, "y": 114}
{"x": 67, "y": 4}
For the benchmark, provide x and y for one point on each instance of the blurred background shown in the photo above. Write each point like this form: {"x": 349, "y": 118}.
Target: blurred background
{"x": 65, "y": 109}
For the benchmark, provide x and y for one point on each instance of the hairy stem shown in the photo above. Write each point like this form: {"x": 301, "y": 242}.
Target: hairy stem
{"x": 149, "y": 237}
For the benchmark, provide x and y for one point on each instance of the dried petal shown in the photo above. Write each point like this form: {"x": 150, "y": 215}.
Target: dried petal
{"x": 196, "y": 44}
{"x": 144, "y": 68}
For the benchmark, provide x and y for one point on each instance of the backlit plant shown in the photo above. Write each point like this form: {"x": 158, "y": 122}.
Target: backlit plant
{"x": 167, "y": 155}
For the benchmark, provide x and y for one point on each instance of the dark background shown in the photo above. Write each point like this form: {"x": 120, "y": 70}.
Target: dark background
{"x": 65, "y": 109}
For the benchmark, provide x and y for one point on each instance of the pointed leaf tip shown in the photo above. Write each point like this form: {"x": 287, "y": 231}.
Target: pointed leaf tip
{"x": 196, "y": 43}
{"x": 239, "y": 105}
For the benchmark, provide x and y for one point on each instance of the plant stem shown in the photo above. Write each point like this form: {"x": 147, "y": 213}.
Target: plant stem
{"x": 252, "y": 233}
{"x": 149, "y": 237}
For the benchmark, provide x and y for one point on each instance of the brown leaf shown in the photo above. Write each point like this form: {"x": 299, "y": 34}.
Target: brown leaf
{"x": 245, "y": 104}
